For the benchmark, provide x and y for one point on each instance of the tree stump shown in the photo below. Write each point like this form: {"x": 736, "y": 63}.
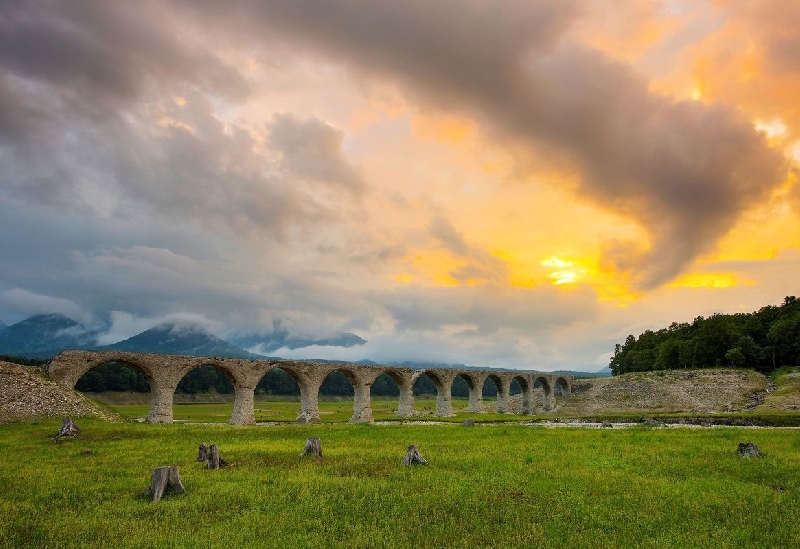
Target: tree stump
{"x": 313, "y": 446}
{"x": 748, "y": 449}
{"x": 413, "y": 457}
{"x": 202, "y": 452}
{"x": 68, "y": 429}
{"x": 164, "y": 478}
{"x": 210, "y": 454}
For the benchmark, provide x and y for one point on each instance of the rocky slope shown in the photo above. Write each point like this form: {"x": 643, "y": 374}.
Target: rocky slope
{"x": 27, "y": 393}
{"x": 677, "y": 391}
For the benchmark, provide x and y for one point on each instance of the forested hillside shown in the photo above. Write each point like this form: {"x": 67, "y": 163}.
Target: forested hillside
{"x": 765, "y": 340}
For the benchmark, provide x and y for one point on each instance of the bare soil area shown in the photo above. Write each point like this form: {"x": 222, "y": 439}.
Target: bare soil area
{"x": 678, "y": 391}
{"x": 785, "y": 396}
{"x": 25, "y": 392}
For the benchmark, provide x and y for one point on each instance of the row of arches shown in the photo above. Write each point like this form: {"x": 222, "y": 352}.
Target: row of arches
{"x": 164, "y": 373}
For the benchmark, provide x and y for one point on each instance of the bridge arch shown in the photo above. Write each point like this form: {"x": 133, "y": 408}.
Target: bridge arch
{"x": 164, "y": 372}
{"x": 546, "y": 384}
{"x": 526, "y": 392}
{"x": 404, "y": 378}
{"x": 87, "y": 382}
{"x": 562, "y": 386}
{"x": 361, "y": 379}
{"x": 443, "y": 381}
{"x": 475, "y": 381}
{"x": 502, "y": 383}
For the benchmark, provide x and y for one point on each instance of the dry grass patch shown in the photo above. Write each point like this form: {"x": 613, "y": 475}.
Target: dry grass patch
{"x": 675, "y": 391}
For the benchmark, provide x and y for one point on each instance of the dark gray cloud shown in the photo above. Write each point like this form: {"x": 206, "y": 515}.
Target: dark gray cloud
{"x": 197, "y": 167}
{"x": 684, "y": 171}
{"x": 108, "y": 51}
{"x": 89, "y": 121}
{"x": 312, "y": 149}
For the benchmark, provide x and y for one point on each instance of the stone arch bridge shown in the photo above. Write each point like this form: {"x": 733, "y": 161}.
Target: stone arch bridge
{"x": 164, "y": 372}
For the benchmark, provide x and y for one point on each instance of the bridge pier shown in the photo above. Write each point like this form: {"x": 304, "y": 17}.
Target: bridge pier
{"x": 309, "y": 400}
{"x": 527, "y": 398}
{"x": 243, "y": 406}
{"x": 443, "y": 381}
{"x": 503, "y": 390}
{"x": 362, "y": 404}
{"x": 549, "y": 397}
{"x": 475, "y": 386}
{"x": 405, "y": 384}
{"x": 161, "y": 399}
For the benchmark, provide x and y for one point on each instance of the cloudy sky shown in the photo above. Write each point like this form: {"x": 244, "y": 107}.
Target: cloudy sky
{"x": 516, "y": 183}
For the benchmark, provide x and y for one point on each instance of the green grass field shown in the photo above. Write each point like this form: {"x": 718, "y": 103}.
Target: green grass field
{"x": 486, "y": 486}
{"x": 287, "y": 409}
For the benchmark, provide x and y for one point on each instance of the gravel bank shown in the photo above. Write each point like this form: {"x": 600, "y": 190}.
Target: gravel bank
{"x": 25, "y": 392}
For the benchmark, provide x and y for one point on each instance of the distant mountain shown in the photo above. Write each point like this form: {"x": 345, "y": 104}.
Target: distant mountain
{"x": 44, "y": 336}
{"x": 583, "y": 374}
{"x": 280, "y": 338}
{"x": 3, "y": 325}
{"x": 605, "y": 372}
{"x": 179, "y": 339}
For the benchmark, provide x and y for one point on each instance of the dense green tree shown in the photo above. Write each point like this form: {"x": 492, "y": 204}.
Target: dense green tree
{"x": 113, "y": 376}
{"x": 735, "y": 356}
{"x": 669, "y": 355}
{"x": 765, "y": 340}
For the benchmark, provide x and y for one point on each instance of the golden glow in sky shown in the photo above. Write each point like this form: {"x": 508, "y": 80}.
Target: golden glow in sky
{"x": 482, "y": 183}
{"x": 563, "y": 271}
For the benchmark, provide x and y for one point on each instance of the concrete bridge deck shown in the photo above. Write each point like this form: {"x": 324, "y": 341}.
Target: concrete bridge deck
{"x": 164, "y": 372}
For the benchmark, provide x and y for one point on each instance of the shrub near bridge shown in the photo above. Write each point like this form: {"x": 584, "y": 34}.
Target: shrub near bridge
{"x": 485, "y": 486}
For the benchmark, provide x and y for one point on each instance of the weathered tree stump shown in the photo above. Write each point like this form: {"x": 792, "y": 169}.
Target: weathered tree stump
{"x": 413, "y": 457}
{"x": 202, "y": 452}
{"x": 210, "y": 454}
{"x": 164, "y": 478}
{"x": 748, "y": 449}
{"x": 313, "y": 446}
{"x": 68, "y": 429}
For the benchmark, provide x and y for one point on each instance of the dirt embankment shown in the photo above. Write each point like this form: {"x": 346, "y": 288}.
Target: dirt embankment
{"x": 678, "y": 391}
{"x": 785, "y": 396}
{"x": 25, "y": 392}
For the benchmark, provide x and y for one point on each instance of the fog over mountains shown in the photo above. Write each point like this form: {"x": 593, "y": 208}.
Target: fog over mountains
{"x": 179, "y": 339}
{"x": 281, "y": 338}
{"x": 44, "y": 336}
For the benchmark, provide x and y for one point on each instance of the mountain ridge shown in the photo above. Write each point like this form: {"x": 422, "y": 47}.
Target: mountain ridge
{"x": 44, "y": 336}
{"x": 178, "y": 338}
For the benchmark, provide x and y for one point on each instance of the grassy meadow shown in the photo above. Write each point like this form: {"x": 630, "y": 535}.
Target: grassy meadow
{"x": 286, "y": 409}
{"x": 485, "y": 486}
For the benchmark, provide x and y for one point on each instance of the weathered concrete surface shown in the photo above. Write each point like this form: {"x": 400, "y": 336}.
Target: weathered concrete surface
{"x": 164, "y": 372}
{"x": 404, "y": 378}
